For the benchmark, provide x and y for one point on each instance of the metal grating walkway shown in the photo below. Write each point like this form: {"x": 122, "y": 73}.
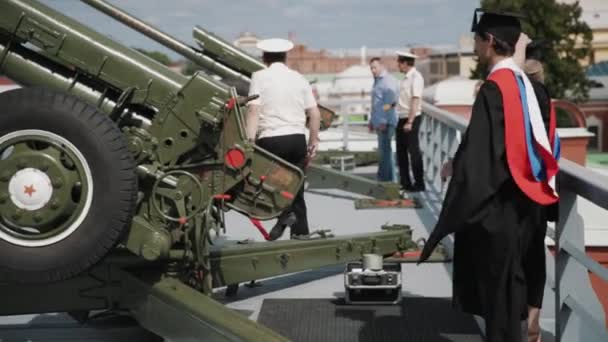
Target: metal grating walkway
{"x": 327, "y": 320}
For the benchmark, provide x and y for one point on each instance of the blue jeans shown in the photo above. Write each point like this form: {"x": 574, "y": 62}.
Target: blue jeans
{"x": 386, "y": 169}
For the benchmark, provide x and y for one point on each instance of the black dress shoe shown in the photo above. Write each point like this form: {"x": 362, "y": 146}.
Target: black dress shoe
{"x": 276, "y": 232}
{"x": 407, "y": 187}
{"x": 418, "y": 188}
{"x": 279, "y": 227}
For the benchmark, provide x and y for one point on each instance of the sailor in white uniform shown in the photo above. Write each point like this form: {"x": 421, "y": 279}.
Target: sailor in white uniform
{"x": 276, "y": 121}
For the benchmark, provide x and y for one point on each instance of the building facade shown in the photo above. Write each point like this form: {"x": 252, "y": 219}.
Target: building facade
{"x": 596, "y": 107}
{"x": 333, "y": 61}
{"x": 452, "y": 61}
{"x": 308, "y": 61}
{"x": 595, "y": 14}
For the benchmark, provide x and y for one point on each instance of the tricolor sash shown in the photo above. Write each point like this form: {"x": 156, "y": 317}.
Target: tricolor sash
{"x": 531, "y": 154}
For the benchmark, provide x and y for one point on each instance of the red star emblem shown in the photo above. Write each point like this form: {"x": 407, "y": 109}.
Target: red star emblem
{"x": 29, "y": 190}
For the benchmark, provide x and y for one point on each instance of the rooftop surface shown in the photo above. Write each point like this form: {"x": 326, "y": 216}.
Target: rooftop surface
{"x": 325, "y": 212}
{"x": 338, "y": 214}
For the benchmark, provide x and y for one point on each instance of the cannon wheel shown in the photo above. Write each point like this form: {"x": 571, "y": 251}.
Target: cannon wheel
{"x": 67, "y": 185}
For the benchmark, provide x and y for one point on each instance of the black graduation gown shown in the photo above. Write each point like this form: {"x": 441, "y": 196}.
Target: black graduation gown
{"x": 499, "y": 258}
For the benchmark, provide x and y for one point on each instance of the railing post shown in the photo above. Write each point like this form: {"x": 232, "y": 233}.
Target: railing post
{"x": 345, "y": 127}
{"x": 424, "y": 144}
{"x": 572, "y": 278}
{"x": 437, "y": 147}
{"x": 438, "y": 142}
{"x": 427, "y": 147}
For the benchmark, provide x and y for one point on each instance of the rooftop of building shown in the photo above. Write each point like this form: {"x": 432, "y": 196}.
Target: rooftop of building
{"x": 457, "y": 90}
{"x": 452, "y": 50}
{"x": 355, "y": 77}
{"x": 371, "y": 52}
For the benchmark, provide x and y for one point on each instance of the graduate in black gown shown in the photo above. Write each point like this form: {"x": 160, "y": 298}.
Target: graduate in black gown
{"x": 502, "y": 190}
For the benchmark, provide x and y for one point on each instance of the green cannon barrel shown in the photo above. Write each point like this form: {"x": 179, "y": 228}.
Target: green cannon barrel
{"x": 217, "y": 56}
{"x": 18, "y": 65}
{"x": 226, "y": 53}
{"x": 69, "y": 44}
{"x": 167, "y": 40}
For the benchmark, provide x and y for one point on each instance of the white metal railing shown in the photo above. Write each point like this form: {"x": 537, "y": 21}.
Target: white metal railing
{"x": 579, "y": 315}
{"x": 341, "y": 106}
{"x": 440, "y": 134}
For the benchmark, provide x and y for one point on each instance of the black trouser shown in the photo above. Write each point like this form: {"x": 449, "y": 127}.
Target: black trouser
{"x": 407, "y": 144}
{"x": 292, "y": 148}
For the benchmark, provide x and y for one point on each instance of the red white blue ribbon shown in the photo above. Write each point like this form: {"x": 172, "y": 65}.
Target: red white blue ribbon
{"x": 537, "y": 141}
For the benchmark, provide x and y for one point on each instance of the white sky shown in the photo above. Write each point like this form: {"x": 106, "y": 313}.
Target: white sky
{"x": 316, "y": 23}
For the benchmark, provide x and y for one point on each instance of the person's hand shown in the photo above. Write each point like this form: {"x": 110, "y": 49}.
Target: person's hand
{"x": 407, "y": 127}
{"x": 370, "y": 127}
{"x": 387, "y": 107}
{"x": 382, "y": 127}
{"x": 446, "y": 170}
{"x": 311, "y": 152}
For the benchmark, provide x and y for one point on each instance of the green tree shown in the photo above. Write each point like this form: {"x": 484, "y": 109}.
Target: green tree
{"x": 190, "y": 68}
{"x": 157, "y": 56}
{"x": 567, "y": 41}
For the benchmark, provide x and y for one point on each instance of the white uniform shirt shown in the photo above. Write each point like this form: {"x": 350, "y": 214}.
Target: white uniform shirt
{"x": 284, "y": 97}
{"x": 411, "y": 86}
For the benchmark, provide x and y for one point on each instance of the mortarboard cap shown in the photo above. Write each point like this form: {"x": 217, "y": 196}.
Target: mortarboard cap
{"x": 534, "y": 50}
{"x": 275, "y": 45}
{"x": 502, "y": 25}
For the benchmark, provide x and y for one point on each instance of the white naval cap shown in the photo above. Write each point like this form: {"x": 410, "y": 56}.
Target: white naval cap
{"x": 275, "y": 45}
{"x": 406, "y": 54}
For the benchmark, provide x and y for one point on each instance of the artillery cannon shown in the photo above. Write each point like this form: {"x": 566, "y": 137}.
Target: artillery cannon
{"x": 116, "y": 170}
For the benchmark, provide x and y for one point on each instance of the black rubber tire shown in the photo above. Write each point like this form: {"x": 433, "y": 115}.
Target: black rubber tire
{"x": 104, "y": 147}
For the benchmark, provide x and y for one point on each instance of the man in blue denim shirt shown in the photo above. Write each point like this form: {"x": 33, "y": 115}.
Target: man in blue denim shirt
{"x": 383, "y": 117}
